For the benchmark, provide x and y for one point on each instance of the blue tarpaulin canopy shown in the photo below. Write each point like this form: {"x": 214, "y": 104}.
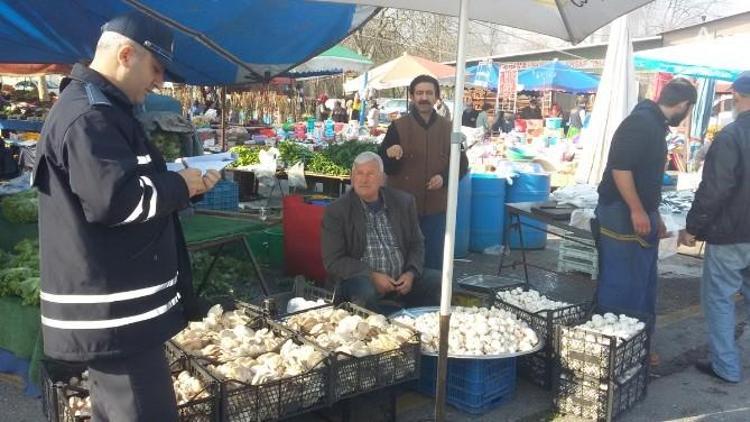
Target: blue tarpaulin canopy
{"x": 216, "y": 43}
{"x": 557, "y": 76}
{"x": 484, "y": 75}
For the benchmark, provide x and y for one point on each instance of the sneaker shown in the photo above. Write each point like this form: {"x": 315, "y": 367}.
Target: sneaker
{"x": 706, "y": 368}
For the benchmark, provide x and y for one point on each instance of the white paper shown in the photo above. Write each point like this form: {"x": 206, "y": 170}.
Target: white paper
{"x": 208, "y": 162}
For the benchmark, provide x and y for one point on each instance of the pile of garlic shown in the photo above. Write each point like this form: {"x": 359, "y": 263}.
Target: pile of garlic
{"x": 224, "y": 336}
{"x": 293, "y": 359}
{"x": 341, "y": 331}
{"x": 531, "y": 300}
{"x": 475, "y": 332}
{"x": 186, "y": 388}
{"x": 622, "y": 326}
{"x": 297, "y": 304}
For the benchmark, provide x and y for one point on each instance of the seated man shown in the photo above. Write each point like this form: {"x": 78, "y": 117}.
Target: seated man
{"x": 372, "y": 245}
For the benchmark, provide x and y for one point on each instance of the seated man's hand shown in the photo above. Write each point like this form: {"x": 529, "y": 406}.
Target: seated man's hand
{"x": 405, "y": 283}
{"x": 383, "y": 283}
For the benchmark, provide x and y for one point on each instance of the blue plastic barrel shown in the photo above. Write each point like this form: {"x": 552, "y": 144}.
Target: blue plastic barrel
{"x": 529, "y": 187}
{"x": 487, "y": 211}
{"x": 463, "y": 218}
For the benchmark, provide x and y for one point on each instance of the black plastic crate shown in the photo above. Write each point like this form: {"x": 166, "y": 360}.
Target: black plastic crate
{"x": 594, "y": 355}
{"x": 276, "y": 399}
{"x": 57, "y": 391}
{"x": 593, "y": 399}
{"x": 540, "y": 368}
{"x": 352, "y": 375}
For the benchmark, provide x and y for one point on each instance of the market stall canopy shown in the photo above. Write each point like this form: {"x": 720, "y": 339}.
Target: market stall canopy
{"x": 34, "y": 69}
{"x": 557, "y": 76}
{"x": 483, "y": 75}
{"x": 400, "y": 72}
{"x": 720, "y": 58}
{"x": 571, "y": 20}
{"x": 333, "y": 61}
{"x": 216, "y": 43}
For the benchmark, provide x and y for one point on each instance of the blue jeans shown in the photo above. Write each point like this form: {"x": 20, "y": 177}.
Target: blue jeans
{"x": 627, "y": 269}
{"x": 360, "y": 290}
{"x": 433, "y": 230}
{"x": 726, "y": 271}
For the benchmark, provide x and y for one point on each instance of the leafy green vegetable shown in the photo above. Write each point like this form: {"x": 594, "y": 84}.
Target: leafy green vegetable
{"x": 292, "y": 153}
{"x": 320, "y": 163}
{"x": 168, "y": 143}
{"x": 22, "y": 207}
{"x": 246, "y": 155}
{"x": 19, "y": 275}
{"x": 344, "y": 154}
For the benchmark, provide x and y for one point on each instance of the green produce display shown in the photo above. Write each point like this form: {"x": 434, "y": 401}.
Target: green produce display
{"x": 292, "y": 153}
{"x": 344, "y": 154}
{"x": 320, "y": 163}
{"x": 246, "y": 155}
{"x": 19, "y": 272}
{"x": 168, "y": 143}
{"x": 22, "y": 207}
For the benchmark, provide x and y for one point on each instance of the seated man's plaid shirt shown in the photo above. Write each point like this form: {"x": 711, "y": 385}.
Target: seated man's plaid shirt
{"x": 382, "y": 253}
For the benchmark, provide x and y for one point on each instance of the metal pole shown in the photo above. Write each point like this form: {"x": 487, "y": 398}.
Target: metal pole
{"x": 223, "y": 119}
{"x": 450, "y": 219}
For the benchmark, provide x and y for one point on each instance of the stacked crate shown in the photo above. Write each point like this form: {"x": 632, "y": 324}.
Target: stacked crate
{"x": 600, "y": 376}
{"x": 578, "y": 254}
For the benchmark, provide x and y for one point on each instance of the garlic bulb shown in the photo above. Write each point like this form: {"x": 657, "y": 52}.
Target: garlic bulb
{"x": 341, "y": 331}
{"x": 622, "y": 326}
{"x": 297, "y": 304}
{"x": 531, "y": 300}
{"x": 475, "y": 331}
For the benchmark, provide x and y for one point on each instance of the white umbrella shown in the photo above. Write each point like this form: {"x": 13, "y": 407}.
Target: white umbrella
{"x": 617, "y": 95}
{"x": 571, "y": 20}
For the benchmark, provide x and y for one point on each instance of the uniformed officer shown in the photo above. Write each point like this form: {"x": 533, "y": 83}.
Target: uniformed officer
{"x": 116, "y": 280}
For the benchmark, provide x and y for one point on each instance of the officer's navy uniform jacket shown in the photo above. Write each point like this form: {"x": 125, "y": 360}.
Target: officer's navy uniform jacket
{"x": 115, "y": 272}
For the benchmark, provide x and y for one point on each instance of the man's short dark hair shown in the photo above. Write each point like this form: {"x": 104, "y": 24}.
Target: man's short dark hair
{"x": 424, "y": 78}
{"x": 677, "y": 91}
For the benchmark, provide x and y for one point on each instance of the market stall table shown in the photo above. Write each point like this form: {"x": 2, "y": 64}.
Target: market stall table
{"x": 564, "y": 230}
{"x": 218, "y": 230}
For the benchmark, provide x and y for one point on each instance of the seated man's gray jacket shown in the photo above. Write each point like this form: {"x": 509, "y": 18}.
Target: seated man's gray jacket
{"x": 344, "y": 234}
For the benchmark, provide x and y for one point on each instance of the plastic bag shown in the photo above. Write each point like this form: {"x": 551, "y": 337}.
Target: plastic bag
{"x": 265, "y": 171}
{"x": 668, "y": 246}
{"x": 296, "y": 176}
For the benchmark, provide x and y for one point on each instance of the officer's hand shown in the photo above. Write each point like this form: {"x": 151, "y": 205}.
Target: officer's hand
{"x": 194, "y": 181}
{"x": 435, "y": 182}
{"x": 641, "y": 223}
{"x": 395, "y": 151}
{"x": 686, "y": 238}
{"x": 210, "y": 179}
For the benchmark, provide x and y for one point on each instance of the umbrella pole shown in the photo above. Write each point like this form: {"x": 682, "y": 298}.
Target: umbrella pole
{"x": 450, "y": 219}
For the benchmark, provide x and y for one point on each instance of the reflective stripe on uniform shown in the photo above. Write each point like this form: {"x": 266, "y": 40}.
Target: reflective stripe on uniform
{"x": 144, "y": 159}
{"x": 108, "y": 298}
{"x": 110, "y": 323}
{"x": 152, "y": 204}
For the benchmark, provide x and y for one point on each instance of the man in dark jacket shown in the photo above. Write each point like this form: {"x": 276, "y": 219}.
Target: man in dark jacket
{"x": 719, "y": 216}
{"x": 115, "y": 281}
{"x": 416, "y": 155}
{"x": 372, "y": 245}
{"x": 629, "y": 195}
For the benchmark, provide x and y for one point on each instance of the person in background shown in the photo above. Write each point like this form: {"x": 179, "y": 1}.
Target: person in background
{"x": 442, "y": 109}
{"x": 371, "y": 243}
{"x": 469, "y": 116}
{"x": 483, "y": 119}
{"x": 356, "y": 107}
{"x": 321, "y": 110}
{"x": 338, "y": 114}
{"x": 719, "y": 216}
{"x": 196, "y": 109}
{"x": 504, "y": 123}
{"x": 416, "y": 154}
{"x": 531, "y": 111}
{"x": 628, "y": 225}
{"x": 555, "y": 111}
{"x": 575, "y": 120}
{"x": 116, "y": 280}
{"x": 373, "y": 116}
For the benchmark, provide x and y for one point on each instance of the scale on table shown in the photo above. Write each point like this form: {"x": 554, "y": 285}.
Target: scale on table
{"x": 554, "y": 211}
{"x": 489, "y": 283}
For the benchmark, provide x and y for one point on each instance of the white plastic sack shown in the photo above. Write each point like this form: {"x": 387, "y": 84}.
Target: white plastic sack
{"x": 296, "y": 176}
{"x": 265, "y": 171}
{"x": 668, "y": 246}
